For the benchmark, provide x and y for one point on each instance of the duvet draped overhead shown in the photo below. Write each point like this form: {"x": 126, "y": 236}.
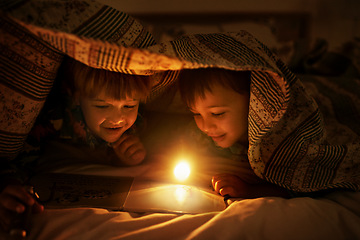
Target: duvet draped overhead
{"x": 287, "y": 140}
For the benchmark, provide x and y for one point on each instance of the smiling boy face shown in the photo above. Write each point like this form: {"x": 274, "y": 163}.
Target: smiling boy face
{"x": 222, "y": 114}
{"x": 108, "y": 118}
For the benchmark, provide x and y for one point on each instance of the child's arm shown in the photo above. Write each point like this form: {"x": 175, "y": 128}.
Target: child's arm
{"x": 14, "y": 199}
{"x": 129, "y": 149}
{"x": 232, "y": 185}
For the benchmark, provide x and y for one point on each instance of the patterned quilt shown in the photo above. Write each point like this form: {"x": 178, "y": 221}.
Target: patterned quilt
{"x": 289, "y": 143}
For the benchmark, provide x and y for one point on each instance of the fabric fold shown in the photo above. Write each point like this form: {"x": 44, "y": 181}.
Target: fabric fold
{"x": 286, "y": 129}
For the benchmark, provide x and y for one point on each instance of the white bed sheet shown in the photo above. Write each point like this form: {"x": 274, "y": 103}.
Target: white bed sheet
{"x": 336, "y": 216}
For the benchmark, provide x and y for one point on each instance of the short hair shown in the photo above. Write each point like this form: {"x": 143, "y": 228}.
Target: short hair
{"x": 194, "y": 83}
{"x": 89, "y": 82}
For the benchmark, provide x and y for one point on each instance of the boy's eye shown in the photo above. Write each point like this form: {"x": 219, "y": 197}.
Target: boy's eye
{"x": 101, "y": 106}
{"x": 218, "y": 114}
{"x": 129, "y": 106}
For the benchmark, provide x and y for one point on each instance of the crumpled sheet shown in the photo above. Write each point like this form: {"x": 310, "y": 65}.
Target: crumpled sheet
{"x": 334, "y": 217}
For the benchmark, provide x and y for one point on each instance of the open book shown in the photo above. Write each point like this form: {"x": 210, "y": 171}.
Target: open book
{"x": 59, "y": 190}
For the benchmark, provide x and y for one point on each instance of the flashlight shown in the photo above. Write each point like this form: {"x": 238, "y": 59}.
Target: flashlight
{"x": 182, "y": 171}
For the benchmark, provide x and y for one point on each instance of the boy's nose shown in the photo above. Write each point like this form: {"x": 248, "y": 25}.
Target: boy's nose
{"x": 208, "y": 126}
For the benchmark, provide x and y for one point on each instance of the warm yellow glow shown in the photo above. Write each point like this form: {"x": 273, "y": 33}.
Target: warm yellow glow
{"x": 182, "y": 171}
{"x": 181, "y": 193}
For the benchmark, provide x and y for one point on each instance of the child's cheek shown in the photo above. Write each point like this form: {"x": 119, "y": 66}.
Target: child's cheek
{"x": 199, "y": 123}
{"x": 132, "y": 117}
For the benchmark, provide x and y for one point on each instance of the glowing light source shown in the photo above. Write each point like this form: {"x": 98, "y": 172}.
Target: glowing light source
{"x": 182, "y": 171}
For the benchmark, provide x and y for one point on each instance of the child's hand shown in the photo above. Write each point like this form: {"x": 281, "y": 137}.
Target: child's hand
{"x": 13, "y": 201}
{"x": 129, "y": 149}
{"x": 233, "y": 186}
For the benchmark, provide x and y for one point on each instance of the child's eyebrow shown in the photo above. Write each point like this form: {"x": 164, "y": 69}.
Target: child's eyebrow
{"x": 216, "y": 106}
{"x": 127, "y": 101}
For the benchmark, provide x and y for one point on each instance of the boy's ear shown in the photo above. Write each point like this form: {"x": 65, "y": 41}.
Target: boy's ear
{"x": 76, "y": 98}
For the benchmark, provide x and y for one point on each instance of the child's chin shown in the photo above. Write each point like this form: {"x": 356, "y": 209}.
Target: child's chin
{"x": 111, "y": 136}
{"x": 111, "y": 139}
{"x": 223, "y": 144}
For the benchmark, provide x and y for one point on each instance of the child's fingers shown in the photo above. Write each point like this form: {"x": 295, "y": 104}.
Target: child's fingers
{"x": 136, "y": 152}
{"x": 228, "y": 190}
{"x": 219, "y": 184}
{"x": 6, "y": 218}
{"x": 37, "y": 208}
{"x": 227, "y": 184}
{"x": 132, "y": 147}
{"x": 11, "y": 204}
{"x": 223, "y": 177}
{"x": 129, "y": 146}
{"x": 15, "y": 197}
{"x": 125, "y": 142}
{"x": 130, "y": 150}
{"x": 120, "y": 141}
{"x": 138, "y": 156}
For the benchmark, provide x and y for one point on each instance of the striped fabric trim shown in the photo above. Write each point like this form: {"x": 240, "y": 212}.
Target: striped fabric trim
{"x": 232, "y": 50}
{"x": 292, "y": 150}
{"x": 21, "y": 33}
{"x": 256, "y": 126}
{"x": 103, "y": 24}
{"x": 31, "y": 81}
{"x": 268, "y": 92}
{"x": 289, "y": 77}
{"x": 144, "y": 39}
{"x": 11, "y": 144}
{"x": 323, "y": 168}
{"x": 111, "y": 25}
{"x": 165, "y": 82}
{"x": 110, "y": 59}
{"x": 186, "y": 49}
{"x": 264, "y": 89}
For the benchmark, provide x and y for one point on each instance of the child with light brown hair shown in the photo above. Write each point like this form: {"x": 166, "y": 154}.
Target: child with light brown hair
{"x": 106, "y": 108}
{"x": 102, "y": 114}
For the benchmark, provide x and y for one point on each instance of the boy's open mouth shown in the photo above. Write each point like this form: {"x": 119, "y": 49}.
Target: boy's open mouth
{"x": 218, "y": 138}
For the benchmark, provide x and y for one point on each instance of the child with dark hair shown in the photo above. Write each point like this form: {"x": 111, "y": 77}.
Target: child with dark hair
{"x": 219, "y": 101}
